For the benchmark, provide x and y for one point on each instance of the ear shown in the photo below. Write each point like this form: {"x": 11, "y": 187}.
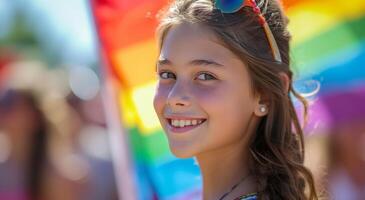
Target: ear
{"x": 261, "y": 105}
{"x": 285, "y": 81}
{"x": 261, "y": 110}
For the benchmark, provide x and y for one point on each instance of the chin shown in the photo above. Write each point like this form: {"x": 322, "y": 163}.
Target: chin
{"x": 182, "y": 153}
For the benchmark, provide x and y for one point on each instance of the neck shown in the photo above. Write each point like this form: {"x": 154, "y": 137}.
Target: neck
{"x": 223, "y": 168}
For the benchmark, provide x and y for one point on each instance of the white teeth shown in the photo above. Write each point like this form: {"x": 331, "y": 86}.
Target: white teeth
{"x": 183, "y": 123}
{"x": 175, "y": 122}
{"x": 187, "y": 122}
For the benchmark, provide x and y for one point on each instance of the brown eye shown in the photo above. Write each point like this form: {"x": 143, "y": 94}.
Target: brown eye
{"x": 206, "y": 77}
{"x": 167, "y": 75}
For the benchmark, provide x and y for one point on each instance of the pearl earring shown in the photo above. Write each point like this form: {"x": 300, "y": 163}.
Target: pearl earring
{"x": 263, "y": 108}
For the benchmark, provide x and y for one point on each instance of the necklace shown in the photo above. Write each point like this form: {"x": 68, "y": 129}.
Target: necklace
{"x": 233, "y": 187}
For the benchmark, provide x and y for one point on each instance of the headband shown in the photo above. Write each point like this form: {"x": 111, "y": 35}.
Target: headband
{"x": 232, "y": 6}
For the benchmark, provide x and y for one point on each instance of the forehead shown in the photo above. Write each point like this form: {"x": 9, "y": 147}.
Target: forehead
{"x": 184, "y": 42}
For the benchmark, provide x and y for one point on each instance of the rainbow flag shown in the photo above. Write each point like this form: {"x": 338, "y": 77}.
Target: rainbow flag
{"x": 126, "y": 32}
{"x": 328, "y": 41}
{"x": 328, "y": 46}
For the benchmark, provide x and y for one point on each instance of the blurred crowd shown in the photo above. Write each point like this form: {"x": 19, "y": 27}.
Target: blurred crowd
{"x": 53, "y": 144}
{"x": 53, "y": 137}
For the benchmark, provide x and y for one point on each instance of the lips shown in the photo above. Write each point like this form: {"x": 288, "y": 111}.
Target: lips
{"x": 180, "y": 125}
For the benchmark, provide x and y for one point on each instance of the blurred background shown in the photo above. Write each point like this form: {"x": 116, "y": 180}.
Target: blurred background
{"x": 76, "y": 86}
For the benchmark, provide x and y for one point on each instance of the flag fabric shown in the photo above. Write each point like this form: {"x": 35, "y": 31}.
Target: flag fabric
{"x": 328, "y": 48}
{"x": 126, "y": 31}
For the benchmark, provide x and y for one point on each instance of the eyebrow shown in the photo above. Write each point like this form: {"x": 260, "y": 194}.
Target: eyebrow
{"x": 200, "y": 62}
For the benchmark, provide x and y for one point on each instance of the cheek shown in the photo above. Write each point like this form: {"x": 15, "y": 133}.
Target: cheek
{"x": 225, "y": 99}
{"x": 227, "y": 107}
{"x": 160, "y": 98}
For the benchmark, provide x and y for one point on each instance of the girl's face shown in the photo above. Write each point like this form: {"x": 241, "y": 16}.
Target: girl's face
{"x": 203, "y": 99}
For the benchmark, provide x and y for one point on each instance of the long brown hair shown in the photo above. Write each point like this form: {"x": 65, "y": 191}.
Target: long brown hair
{"x": 277, "y": 148}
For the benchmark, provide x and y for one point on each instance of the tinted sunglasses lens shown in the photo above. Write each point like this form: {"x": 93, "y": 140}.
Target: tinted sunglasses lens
{"x": 229, "y": 6}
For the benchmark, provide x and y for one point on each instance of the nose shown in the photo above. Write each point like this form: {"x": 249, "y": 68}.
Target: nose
{"x": 179, "y": 95}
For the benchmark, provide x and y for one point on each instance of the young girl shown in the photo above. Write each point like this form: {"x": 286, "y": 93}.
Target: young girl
{"x": 223, "y": 96}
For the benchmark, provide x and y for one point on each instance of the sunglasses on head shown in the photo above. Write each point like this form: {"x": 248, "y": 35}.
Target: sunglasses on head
{"x": 232, "y": 6}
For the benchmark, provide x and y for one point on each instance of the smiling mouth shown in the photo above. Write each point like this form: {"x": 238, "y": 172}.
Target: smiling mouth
{"x": 181, "y": 123}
